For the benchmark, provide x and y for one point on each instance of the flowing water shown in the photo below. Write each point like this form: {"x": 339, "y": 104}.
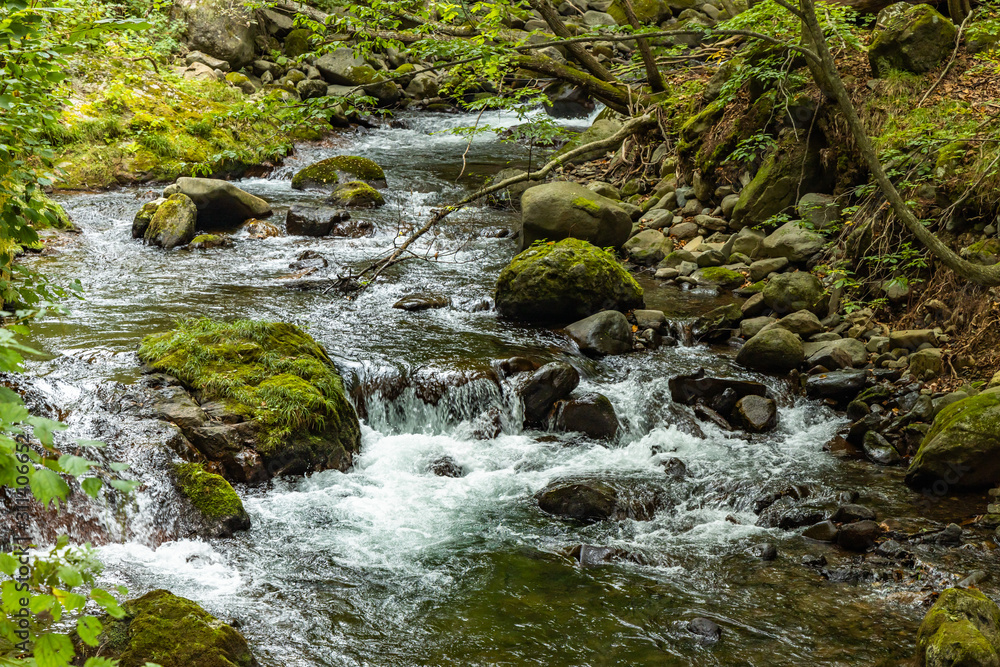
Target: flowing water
{"x": 391, "y": 565}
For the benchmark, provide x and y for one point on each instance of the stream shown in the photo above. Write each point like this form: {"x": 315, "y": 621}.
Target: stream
{"x": 391, "y": 565}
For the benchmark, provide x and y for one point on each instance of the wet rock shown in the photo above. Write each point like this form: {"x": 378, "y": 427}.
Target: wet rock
{"x": 756, "y": 414}
{"x": 962, "y": 449}
{"x": 962, "y": 628}
{"x": 707, "y": 414}
{"x": 555, "y": 211}
{"x": 605, "y": 333}
{"x": 173, "y": 224}
{"x": 879, "y": 450}
{"x": 951, "y": 535}
{"x": 308, "y": 220}
{"x": 308, "y": 259}
{"x": 824, "y": 531}
{"x": 591, "y": 500}
{"x": 765, "y": 551}
{"x": 651, "y": 319}
{"x": 446, "y": 467}
{"x": 215, "y": 508}
{"x": 564, "y": 282}
{"x": 142, "y": 219}
{"x": 418, "y": 302}
{"x": 588, "y": 555}
{"x": 209, "y": 242}
{"x": 258, "y": 229}
{"x": 356, "y": 194}
{"x": 708, "y": 631}
{"x": 843, "y": 449}
{"x": 674, "y": 468}
{"x": 851, "y": 513}
{"x": 795, "y": 492}
{"x": 791, "y": 292}
{"x": 841, "y": 385}
{"x": 220, "y": 203}
{"x": 591, "y": 414}
{"x": 550, "y": 383}
{"x": 858, "y": 536}
{"x": 515, "y": 365}
{"x": 695, "y": 387}
{"x": 772, "y": 351}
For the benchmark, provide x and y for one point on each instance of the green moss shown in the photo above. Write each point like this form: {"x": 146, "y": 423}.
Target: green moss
{"x": 588, "y": 205}
{"x": 962, "y": 628}
{"x": 172, "y": 631}
{"x": 297, "y": 42}
{"x": 405, "y": 68}
{"x": 328, "y": 171}
{"x": 698, "y": 125}
{"x": 722, "y": 276}
{"x": 212, "y": 495}
{"x": 285, "y": 380}
{"x": 356, "y": 194}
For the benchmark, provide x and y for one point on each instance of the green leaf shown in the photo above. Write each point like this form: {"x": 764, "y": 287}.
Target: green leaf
{"x": 48, "y": 486}
{"x": 117, "y": 466}
{"x": 53, "y": 650}
{"x": 92, "y": 486}
{"x": 70, "y": 576}
{"x": 89, "y": 629}
{"x": 40, "y": 603}
{"x": 91, "y": 443}
{"x": 8, "y": 564}
{"x": 107, "y": 602}
{"x": 124, "y": 485}
{"x": 100, "y": 662}
{"x": 71, "y": 601}
{"x": 74, "y": 465}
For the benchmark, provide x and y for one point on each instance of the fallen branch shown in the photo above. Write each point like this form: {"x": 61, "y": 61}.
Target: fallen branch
{"x": 378, "y": 267}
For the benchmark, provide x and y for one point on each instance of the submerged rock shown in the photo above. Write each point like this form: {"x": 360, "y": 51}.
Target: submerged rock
{"x": 335, "y": 169}
{"x": 563, "y": 282}
{"x": 284, "y": 403}
{"x": 555, "y": 211}
{"x": 171, "y": 631}
{"x": 590, "y": 500}
{"x": 220, "y": 203}
{"x": 173, "y": 224}
{"x": 962, "y": 628}
{"x": 218, "y": 510}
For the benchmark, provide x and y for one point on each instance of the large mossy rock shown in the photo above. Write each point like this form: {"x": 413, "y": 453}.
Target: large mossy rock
{"x": 647, "y": 11}
{"x": 791, "y": 170}
{"x": 555, "y": 211}
{"x": 173, "y": 223}
{"x": 220, "y": 29}
{"x": 912, "y": 38}
{"x": 564, "y": 282}
{"x": 145, "y": 215}
{"x": 218, "y": 510}
{"x": 791, "y": 292}
{"x": 356, "y": 194}
{"x": 962, "y": 449}
{"x": 773, "y": 350}
{"x": 962, "y": 629}
{"x": 332, "y": 171}
{"x": 220, "y": 204}
{"x": 284, "y": 406}
{"x": 792, "y": 241}
{"x": 171, "y": 631}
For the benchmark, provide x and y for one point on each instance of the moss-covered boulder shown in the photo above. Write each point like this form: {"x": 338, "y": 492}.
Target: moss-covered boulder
{"x": 647, "y": 11}
{"x": 912, "y": 38}
{"x": 791, "y": 170}
{"x": 171, "y": 631}
{"x": 791, "y": 292}
{"x": 219, "y": 29}
{"x": 217, "y": 509}
{"x": 962, "y": 448}
{"x": 209, "y": 241}
{"x": 961, "y": 629}
{"x": 555, "y": 211}
{"x": 564, "y": 282}
{"x": 279, "y": 400}
{"x": 140, "y": 223}
{"x": 342, "y": 68}
{"x": 336, "y": 169}
{"x": 297, "y": 42}
{"x": 173, "y": 223}
{"x": 774, "y": 350}
{"x": 356, "y": 194}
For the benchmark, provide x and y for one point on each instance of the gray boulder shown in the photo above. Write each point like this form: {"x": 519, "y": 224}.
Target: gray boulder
{"x": 220, "y": 29}
{"x": 604, "y": 333}
{"x": 793, "y": 242}
{"x": 342, "y": 68}
{"x": 912, "y": 38}
{"x": 790, "y": 292}
{"x": 648, "y": 247}
{"x": 818, "y": 210}
{"x": 555, "y": 211}
{"x": 591, "y": 414}
{"x": 173, "y": 224}
{"x": 306, "y": 220}
{"x": 220, "y": 203}
{"x": 773, "y": 350}
{"x": 540, "y": 390}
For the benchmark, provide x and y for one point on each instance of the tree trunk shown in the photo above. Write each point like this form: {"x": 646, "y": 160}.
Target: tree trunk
{"x": 652, "y": 73}
{"x": 584, "y": 57}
